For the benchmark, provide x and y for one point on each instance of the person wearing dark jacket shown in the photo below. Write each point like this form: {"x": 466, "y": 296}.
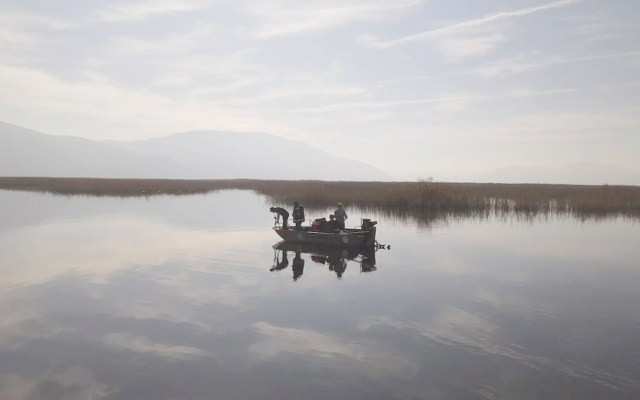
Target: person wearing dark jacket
{"x": 340, "y": 215}
{"x": 298, "y": 214}
{"x": 332, "y": 225}
{"x": 281, "y": 212}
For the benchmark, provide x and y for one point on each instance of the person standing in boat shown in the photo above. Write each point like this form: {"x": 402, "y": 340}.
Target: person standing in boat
{"x": 298, "y": 214}
{"x": 341, "y": 216}
{"x": 281, "y": 212}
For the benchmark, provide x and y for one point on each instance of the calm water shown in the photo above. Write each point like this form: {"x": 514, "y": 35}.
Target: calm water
{"x": 175, "y": 298}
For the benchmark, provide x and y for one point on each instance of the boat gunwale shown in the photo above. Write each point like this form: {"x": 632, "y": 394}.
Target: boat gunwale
{"x": 348, "y": 237}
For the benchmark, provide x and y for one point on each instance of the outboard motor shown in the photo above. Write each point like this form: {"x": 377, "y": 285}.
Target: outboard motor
{"x": 367, "y": 223}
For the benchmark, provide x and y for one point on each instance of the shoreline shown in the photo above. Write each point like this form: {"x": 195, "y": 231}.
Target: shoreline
{"x": 414, "y": 197}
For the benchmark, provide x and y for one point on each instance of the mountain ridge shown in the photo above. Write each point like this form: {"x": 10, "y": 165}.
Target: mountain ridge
{"x": 186, "y": 155}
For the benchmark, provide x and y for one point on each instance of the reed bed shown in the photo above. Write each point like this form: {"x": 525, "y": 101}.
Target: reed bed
{"x": 415, "y": 198}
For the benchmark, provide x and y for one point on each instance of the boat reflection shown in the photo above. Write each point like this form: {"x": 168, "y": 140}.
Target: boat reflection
{"x": 335, "y": 258}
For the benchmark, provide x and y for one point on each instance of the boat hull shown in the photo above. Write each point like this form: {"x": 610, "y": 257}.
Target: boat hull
{"x": 343, "y": 238}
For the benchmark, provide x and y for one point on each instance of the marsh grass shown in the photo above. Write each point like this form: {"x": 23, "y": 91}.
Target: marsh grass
{"x": 422, "y": 198}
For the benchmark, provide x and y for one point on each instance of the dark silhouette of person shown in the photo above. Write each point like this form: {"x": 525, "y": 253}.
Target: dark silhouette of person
{"x": 298, "y": 266}
{"x": 281, "y": 212}
{"x": 340, "y": 267}
{"x": 332, "y": 224}
{"x": 298, "y": 214}
{"x": 341, "y": 216}
{"x": 281, "y": 264}
{"x": 337, "y": 265}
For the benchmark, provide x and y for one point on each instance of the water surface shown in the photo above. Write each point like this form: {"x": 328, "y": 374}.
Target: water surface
{"x": 178, "y": 298}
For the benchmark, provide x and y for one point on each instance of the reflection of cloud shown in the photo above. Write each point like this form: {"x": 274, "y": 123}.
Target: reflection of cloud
{"x": 103, "y": 245}
{"x": 71, "y": 383}
{"x": 450, "y": 325}
{"x": 455, "y": 324}
{"x": 16, "y": 387}
{"x": 461, "y": 330}
{"x": 282, "y": 339}
{"x": 307, "y": 342}
{"x": 578, "y": 245}
{"x": 141, "y": 344}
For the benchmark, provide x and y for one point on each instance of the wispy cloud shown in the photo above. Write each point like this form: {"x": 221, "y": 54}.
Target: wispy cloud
{"x": 455, "y": 102}
{"x": 20, "y": 30}
{"x": 458, "y": 48}
{"x": 142, "y": 10}
{"x": 386, "y": 104}
{"x": 298, "y": 90}
{"x": 596, "y": 28}
{"x": 471, "y": 24}
{"x": 518, "y": 65}
{"x": 98, "y": 98}
{"x": 174, "y": 45}
{"x": 284, "y": 18}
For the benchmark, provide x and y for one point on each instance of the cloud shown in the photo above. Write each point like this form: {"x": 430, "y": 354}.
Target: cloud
{"x": 385, "y": 104}
{"x": 181, "y": 44}
{"x": 97, "y": 98}
{"x": 288, "y": 18}
{"x": 517, "y": 65}
{"x": 593, "y": 27}
{"x": 296, "y": 89}
{"x": 465, "y": 26}
{"x": 545, "y": 129}
{"x": 20, "y": 30}
{"x": 521, "y": 64}
{"x": 142, "y": 10}
{"x": 455, "y": 49}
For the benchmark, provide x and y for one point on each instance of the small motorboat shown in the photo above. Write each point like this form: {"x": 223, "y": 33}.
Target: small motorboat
{"x": 364, "y": 236}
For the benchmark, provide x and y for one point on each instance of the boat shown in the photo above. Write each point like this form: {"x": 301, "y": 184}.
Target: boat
{"x": 363, "y": 236}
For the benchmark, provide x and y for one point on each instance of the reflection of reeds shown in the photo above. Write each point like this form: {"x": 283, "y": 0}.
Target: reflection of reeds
{"x": 415, "y": 198}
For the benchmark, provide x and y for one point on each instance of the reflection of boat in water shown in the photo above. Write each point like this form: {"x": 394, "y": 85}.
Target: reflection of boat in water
{"x": 365, "y": 236}
{"x": 335, "y": 258}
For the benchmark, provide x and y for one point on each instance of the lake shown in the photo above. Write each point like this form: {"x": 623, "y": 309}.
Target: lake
{"x": 185, "y": 298}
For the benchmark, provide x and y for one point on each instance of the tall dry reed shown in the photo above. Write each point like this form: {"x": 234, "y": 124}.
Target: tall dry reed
{"x": 423, "y": 197}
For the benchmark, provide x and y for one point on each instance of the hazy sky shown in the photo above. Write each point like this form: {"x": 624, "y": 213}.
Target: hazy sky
{"x": 437, "y": 88}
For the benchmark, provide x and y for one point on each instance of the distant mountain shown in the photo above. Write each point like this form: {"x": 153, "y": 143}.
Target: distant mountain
{"x": 581, "y": 173}
{"x": 192, "y": 155}
{"x": 253, "y": 155}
